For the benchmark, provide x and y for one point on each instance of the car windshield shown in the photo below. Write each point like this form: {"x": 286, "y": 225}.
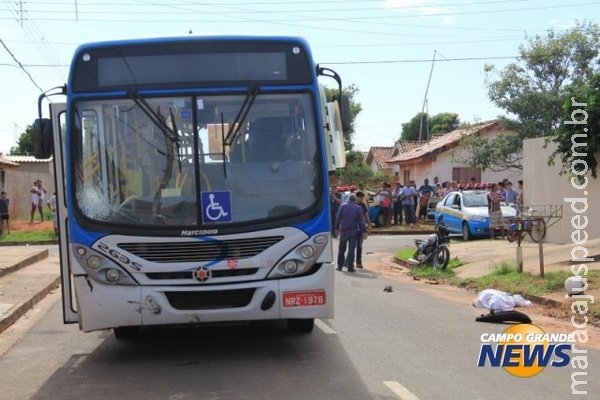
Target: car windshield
{"x": 475, "y": 199}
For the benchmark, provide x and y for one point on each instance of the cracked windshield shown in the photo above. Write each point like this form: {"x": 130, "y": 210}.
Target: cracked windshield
{"x": 191, "y": 161}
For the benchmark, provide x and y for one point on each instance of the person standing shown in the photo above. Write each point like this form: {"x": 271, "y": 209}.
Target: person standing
{"x": 510, "y": 194}
{"x": 349, "y": 223}
{"x": 35, "y": 200}
{"x": 385, "y": 201}
{"x": 52, "y": 206}
{"x": 520, "y": 197}
{"x": 335, "y": 201}
{"x": 494, "y": 199}
{"x": 360, "y": 197}
{"x": 4, "y": 213}
{"x": 397, "y": 203}
{"x": 408, "y": 196}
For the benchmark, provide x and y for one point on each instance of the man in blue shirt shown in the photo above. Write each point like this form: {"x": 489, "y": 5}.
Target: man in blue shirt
{"x": 349, "y": 223}
{"x": 510, "y": 194}
{"x": 408, "y": 196}
{"x": 425, "y": 187}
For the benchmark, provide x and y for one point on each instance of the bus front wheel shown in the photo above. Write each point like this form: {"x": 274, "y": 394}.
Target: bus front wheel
{"x": 126, "y": 332}
{"x": 301, "y": 325}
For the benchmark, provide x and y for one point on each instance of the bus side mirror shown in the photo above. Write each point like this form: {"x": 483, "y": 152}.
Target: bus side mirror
{"x": 344, "y": 105}
{"x": 42, "y": 138}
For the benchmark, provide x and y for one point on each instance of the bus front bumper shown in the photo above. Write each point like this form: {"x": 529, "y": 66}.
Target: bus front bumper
{"x": 107, "y": 306}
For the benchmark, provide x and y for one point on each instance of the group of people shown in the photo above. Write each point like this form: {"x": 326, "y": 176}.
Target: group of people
{"x": 406, "y": 204}
{"x": 502, "y": 192}
{"x": 38, "y": 192}
{"x": 350, "y": 220}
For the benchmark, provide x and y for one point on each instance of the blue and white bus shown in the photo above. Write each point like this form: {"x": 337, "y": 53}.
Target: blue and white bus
{"x": 192, "y": 182}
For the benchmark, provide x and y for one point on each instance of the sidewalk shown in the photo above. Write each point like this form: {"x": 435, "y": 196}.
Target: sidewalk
{"x": 26, "y": 275}
{"x": 482, "y": 256}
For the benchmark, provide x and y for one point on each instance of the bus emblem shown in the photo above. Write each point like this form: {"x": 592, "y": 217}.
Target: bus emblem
{"x": 202, "y": 274}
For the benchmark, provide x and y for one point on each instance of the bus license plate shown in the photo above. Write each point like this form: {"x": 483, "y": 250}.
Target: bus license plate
{"x": 295, "y": 299}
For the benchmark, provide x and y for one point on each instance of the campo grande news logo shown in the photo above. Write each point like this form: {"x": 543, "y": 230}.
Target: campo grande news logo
{"x": 524, "y": 350}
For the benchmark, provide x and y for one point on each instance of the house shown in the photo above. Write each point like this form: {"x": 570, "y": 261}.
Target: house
{"x": 17, "y": 174}
{"x": 438, "y": 158}
{"x": 377, "y": 156}
{"x": 6, "y": 168}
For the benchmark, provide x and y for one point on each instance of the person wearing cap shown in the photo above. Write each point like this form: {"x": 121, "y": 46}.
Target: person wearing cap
{"x": 349, "y": 223}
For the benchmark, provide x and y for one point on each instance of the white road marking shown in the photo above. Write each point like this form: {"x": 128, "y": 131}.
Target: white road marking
{"x": 400, "y": 390}
{"x": 324, "y": 327}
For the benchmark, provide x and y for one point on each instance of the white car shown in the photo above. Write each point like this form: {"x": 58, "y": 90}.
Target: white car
{"x": 466, "y": 212}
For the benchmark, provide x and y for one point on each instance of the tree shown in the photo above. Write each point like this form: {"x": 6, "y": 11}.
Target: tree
{"x": 578, "y": 139}
{"x": 439, "y": 123}
{"x": 355, "y": 170}
{"x": 355, "y": 108}
{"x": 533, "y": 89}
{"x": 444, "y": 122}
{"x": 24, "y": 143}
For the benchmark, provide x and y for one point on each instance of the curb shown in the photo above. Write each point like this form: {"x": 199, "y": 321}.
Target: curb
{"x": 22, "y": 308}
{"x": 24, "y": 263}
{"x": 39, "y": 243}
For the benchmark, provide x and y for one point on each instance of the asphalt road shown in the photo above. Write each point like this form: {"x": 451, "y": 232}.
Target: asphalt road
{"x": 417, "y": 342}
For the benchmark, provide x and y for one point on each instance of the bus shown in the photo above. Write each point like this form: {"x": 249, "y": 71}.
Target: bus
{"x": 192, "y": 182}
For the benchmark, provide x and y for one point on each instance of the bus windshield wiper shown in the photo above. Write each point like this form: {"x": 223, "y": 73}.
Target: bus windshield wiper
{"x": 157, "y": 118}
{"x": 234, "y": 128}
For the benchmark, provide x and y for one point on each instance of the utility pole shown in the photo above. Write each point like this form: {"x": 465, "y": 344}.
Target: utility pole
{"x": 425, "y": 101}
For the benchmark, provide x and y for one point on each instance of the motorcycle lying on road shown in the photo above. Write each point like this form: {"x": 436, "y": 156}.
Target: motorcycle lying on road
{"x": 434, "y": 250}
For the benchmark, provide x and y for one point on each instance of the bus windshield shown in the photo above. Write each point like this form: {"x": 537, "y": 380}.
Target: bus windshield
{"x": 155, "y": 161}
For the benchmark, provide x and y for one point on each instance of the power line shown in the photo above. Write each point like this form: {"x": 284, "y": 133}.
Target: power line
{"x": 20, "y": 65}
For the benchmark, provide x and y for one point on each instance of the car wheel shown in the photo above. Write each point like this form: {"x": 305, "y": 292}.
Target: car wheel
{"x": 466, "y": 233}
{"x": 380, "y": 219}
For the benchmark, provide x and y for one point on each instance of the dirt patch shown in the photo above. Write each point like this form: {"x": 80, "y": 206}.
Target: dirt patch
{"x": 549, "y": 318}
{"x": 26, "y": 226}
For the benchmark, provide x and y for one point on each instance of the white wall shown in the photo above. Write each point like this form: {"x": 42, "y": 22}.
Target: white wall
{"x": 543, "y": 185}
{"x": 442, "y": 168}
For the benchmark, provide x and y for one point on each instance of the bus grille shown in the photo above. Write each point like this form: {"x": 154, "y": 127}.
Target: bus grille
{"x": 200, "y": 251}
{"x": 210, "y": 300}
{"x": 215, "y": 273}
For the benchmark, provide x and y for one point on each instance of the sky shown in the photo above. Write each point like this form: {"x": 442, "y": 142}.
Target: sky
{"x": 404, "y": 56}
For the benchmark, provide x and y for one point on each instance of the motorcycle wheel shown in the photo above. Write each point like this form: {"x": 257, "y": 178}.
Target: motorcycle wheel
{"x": 416, "y": 255}
{"x": 441, "y": 258}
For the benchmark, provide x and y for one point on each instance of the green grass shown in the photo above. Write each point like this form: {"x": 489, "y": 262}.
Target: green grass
{"x": 28, "y": 237}
{"x": 505, "y": 277}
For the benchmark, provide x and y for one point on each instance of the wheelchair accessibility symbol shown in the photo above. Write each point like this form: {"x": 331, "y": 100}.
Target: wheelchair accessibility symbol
{"x": 216, "y": 206}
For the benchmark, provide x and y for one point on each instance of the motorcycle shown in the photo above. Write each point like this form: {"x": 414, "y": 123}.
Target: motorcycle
{"x": 434, "y": 250}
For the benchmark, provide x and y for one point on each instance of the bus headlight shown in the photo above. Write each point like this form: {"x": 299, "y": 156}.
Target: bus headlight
{"x": 112, "y": 275}
{"x": 307, "y": 252}
{"x": 290, "y": 266}
{"x": 94, "y": 262}
{"x": 320, "y": 239}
